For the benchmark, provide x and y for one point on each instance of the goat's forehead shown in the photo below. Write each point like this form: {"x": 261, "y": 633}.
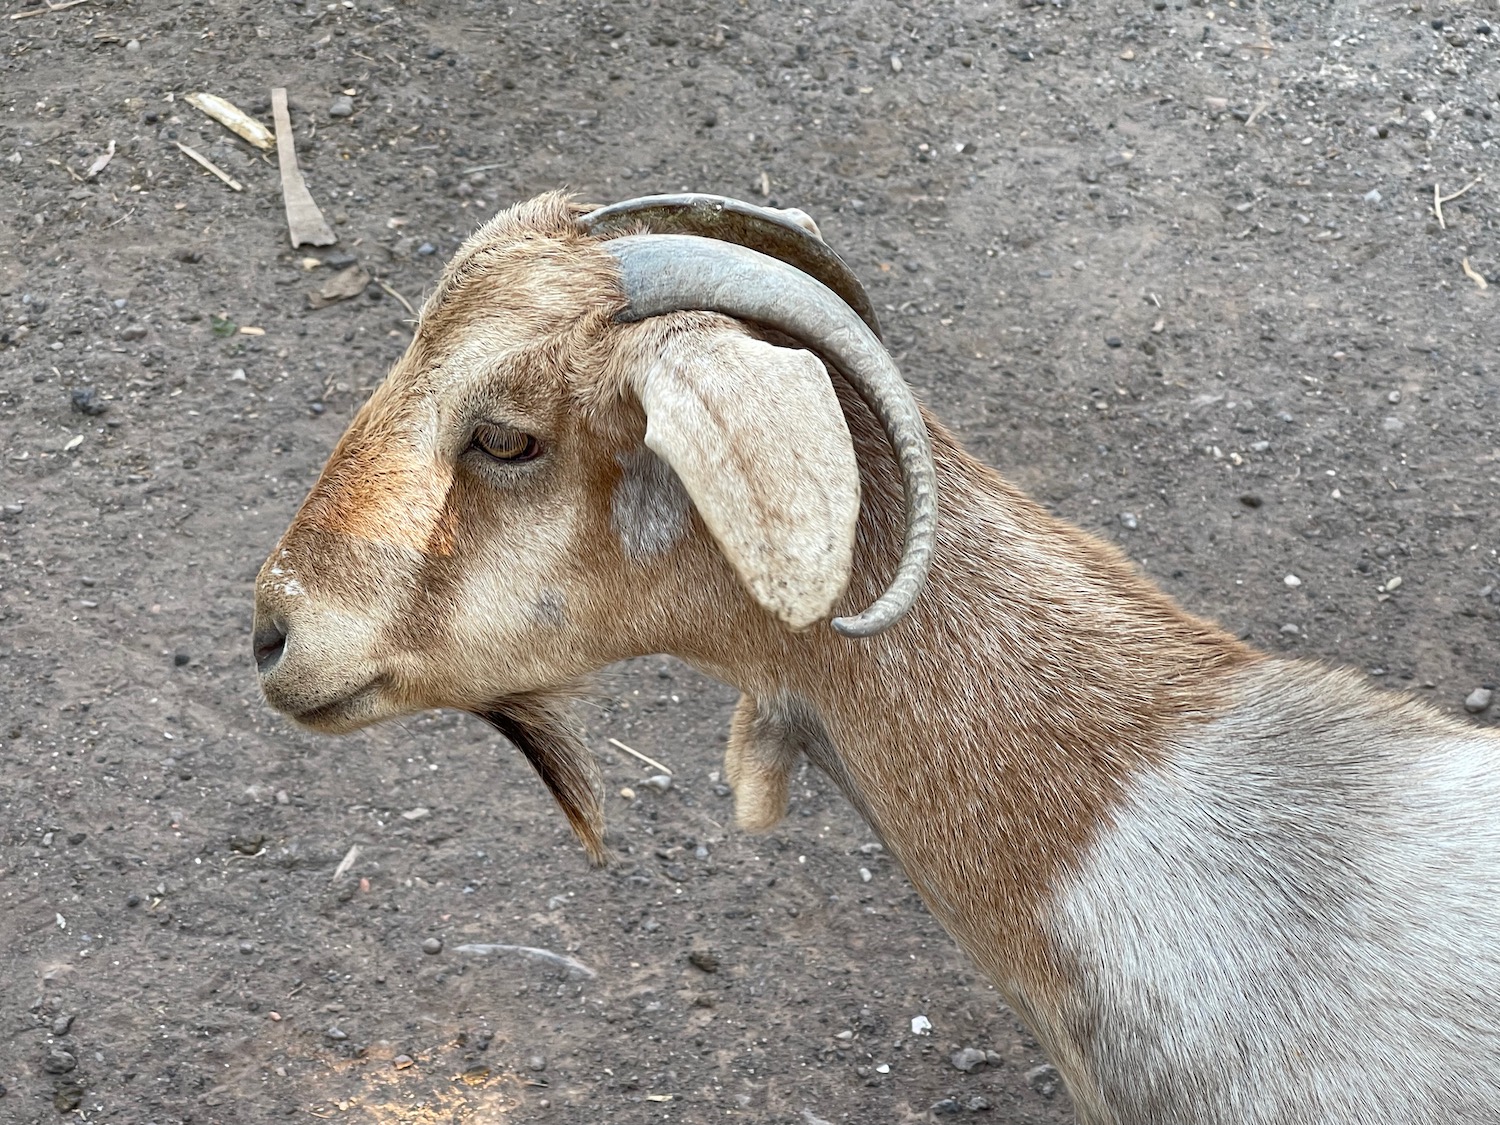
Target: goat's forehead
{"x": 491, "y": 371}
{"x": 536, "y": 278}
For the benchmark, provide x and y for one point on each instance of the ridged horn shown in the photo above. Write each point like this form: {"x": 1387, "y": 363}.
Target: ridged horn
{"x": 662, "y": 273}
{"x": 770, "y": 231}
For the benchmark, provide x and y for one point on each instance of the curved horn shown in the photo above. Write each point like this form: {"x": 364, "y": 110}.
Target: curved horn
{"x": 662, "y": 273}
{"x": 744, "y": 224}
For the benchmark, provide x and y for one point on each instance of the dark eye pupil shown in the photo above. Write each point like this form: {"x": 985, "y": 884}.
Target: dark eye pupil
{"x": 505, "y": 444}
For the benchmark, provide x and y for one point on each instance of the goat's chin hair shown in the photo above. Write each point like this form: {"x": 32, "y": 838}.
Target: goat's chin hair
{"x": 541, "y": 726}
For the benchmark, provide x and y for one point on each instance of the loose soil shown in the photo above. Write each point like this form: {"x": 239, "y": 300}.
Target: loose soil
{"x": 1175, "y": 269}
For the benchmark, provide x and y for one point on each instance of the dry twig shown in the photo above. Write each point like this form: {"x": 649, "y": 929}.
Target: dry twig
{"x": 1438, "y": 199}
{"x": 652, "y": 762}
{"x": 193, "y": 154}
{"x": 573, "y": 966}
{"x": 48, "y": 8}
{"x": 405, "y": 304}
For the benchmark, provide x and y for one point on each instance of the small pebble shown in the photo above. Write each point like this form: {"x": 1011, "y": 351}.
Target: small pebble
{"x": 661, "y": 782}
{"x": 180, "y": 658}
{"x": 432, "y": 945}
{"x": 341, "y": 106}
{"x": 133, "y": 45}
{"x": 1113, "y": 341}
{"x": 1373, "y": 195}
{"x": 1251, "y": 500}
{"x": 67, "y": 1098}
{"x": 247, "y": 947}
{"x": 133, "y": 332}
{"x": 401, "y": 1062}
{"x": 132, "y": 900}
{"x": 705, "y": 960}
{"x": 58, "y": 1062}
{"x": 1129, "y": 521}
{"x": 537, "y": 1062}
{"x": 1290, "y": 630}
{"x": 628, "y": 793}
{"x": 83, "y": 401}
{"x": 1044, "y": 1079}
{"x": 946, "y": 1107}
{"x": 968, "y": 1059}
{"x": 1478, "y": 700}
{"x": 336, "y": 1033}
{"x": 61, "y": 1025}
{"x": 1292, "y": 580}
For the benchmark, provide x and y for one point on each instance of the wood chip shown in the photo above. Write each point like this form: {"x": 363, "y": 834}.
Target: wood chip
{"x": 194, "y": 154}
{"x": 347, "y": 862}
{"x": 1474, "y": 275}
{"x": 101, "y": 163}
{"x": 340, "y": 287}
{"x": 236, "y": 120}
{"x": 305, "y": 223}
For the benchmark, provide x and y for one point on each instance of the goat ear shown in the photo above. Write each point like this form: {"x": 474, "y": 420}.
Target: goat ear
{"x": 757, "y": 437}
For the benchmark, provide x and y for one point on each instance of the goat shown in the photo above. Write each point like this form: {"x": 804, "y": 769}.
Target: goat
{"x": 1221, "y": 888}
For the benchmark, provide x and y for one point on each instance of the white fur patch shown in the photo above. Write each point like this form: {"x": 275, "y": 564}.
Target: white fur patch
{"x": 1296, "y": 919}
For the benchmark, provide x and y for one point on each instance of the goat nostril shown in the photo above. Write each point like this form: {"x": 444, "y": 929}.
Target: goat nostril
{"x": 270, "y": 642}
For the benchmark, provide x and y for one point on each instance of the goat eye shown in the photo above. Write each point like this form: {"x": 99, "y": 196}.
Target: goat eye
{"x": 503, "y": 443}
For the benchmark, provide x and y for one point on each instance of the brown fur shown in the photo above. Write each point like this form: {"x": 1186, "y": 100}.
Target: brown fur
{"x": 986, "y": 737}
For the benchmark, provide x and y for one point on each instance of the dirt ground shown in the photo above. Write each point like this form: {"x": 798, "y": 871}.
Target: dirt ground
{"x": 1173, "y": 267}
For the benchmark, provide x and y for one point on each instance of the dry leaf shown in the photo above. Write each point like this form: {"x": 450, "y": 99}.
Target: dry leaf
{"x": 101, "y": 163}
{"x": 234, "y": 119}
{"x": 340, "y": 287}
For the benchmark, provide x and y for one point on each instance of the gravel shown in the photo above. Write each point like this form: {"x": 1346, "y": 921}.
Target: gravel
{"x": 967, "y": 1059}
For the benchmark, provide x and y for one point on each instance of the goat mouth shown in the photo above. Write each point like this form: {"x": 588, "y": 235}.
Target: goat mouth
{"x": 343, "y": 714}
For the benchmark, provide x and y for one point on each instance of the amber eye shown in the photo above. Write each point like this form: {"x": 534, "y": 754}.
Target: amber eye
{"x": 503, "y": 443}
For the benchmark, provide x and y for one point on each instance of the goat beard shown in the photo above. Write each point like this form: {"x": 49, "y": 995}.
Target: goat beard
{"x": 541, "y": 727}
